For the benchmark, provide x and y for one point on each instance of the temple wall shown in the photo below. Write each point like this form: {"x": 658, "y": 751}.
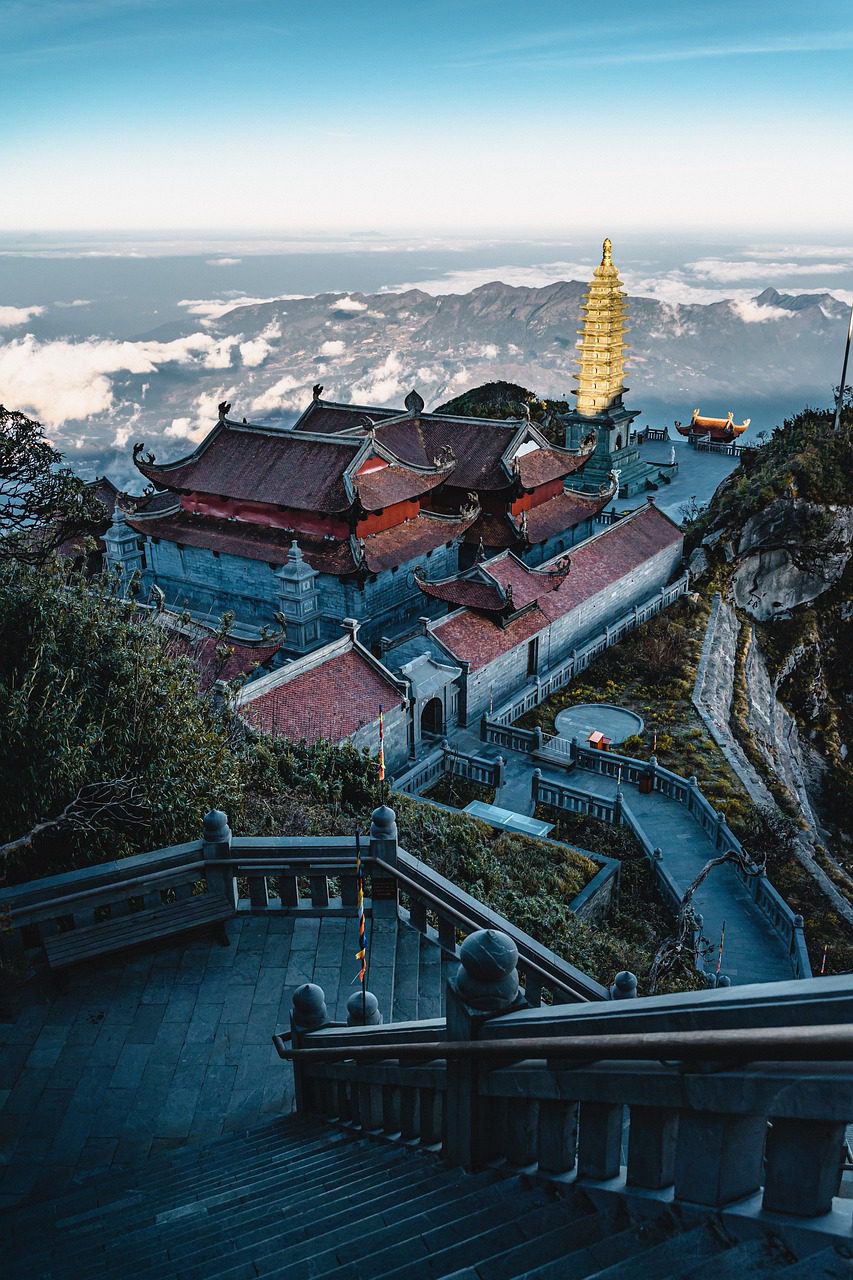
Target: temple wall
{"x": 396, "y": 731}
{"x": 509, "y": 671}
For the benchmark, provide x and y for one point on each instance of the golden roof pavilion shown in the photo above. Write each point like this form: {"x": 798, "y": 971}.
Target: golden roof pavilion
{"x": 602, "y": 345}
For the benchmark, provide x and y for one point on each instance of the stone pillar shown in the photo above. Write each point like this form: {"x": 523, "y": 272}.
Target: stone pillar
{"x": 484, "y": 737}
{"x": 600, "y": 1140}
{"x": 308, "y": 1013}
{"x": 383, "y": 844}
{"x": 216, "y": 844}
{"x": 484, "y": 986}
{"x": 534, "y": 786}
{"x": 363, "y": 1010}
{"x": 803, "y": 1166}
{"x": 537, "y": 745}
{"x": 651, "y": 1147}
{"x": 617, "y": 808}
{"x": 500, "y": 766}
{"x": 718, "y": 1159}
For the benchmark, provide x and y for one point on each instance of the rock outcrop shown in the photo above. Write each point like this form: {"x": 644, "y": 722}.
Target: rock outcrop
{"x": 790, "y": 554}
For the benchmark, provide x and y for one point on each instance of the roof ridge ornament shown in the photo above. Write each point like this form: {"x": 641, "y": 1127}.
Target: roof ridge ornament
{"x": 414, "y": 403}
{"x": 224, "y": 408}
{"x": 607, "y": 253}
{"x": 316, "y": 391}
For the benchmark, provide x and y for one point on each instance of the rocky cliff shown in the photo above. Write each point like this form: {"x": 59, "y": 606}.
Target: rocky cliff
{"x": 775, "y": 542}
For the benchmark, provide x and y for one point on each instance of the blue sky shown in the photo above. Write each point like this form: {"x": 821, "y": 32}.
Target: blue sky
{"x": 451, "y": 116}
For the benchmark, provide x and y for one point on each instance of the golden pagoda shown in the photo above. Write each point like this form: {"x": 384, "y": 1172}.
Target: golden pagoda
{"x": 599, "y": 409}
{"x": 602, "y": 344}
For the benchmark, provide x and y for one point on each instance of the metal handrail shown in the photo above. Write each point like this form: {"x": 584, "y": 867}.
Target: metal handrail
{"x": 770, "y": 1044}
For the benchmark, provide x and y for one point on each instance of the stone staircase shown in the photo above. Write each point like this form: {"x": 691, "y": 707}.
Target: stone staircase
{"x": 298, "y": 1198}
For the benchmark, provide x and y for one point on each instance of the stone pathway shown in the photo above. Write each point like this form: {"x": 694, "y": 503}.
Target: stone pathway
{"x": 753, "y": 950}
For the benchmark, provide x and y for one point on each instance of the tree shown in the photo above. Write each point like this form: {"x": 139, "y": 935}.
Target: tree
{"x": 91, "y": 689}
{"x": 42, "y": 504}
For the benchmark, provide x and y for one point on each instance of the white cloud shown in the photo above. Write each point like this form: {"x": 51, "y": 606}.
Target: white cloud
{"x": 254, "y": 352}
{"x": 332, "y": 348}
{"x": 383, "y": 384}
{"x": 223, "y": 262}
{"x": 287, "y": 393}
{"x": 533, "y": 277}
{"x": 66, "y": 381}
{"x": 11, "y": 317}
{"x": 488, "y": 351}
{"x": 204, "y": 417}
{"x": 214, "y": 308}
{"x": 752, "y": 312}
{"x": 219, "y": 354}
{"x": 725, "y": 271}
{"x": 350, "y": 304}
{"x": 76, "y": 302}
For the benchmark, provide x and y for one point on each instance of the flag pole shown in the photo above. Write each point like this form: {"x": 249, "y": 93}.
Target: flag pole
{"x": 722, "y": 944}
{"x": 840, "y": 398}
{"x": 381, "y": 757}
{"x": 361, "y": 954}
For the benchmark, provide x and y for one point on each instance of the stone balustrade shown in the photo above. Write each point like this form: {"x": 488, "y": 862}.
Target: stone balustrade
{"x": 304, "y": 875}
{"x": 758, "y": 1131}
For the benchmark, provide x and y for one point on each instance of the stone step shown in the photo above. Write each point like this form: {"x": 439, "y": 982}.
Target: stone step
{"x": 406, "y": 961}
{"x": 336, "y": 1182}
{"x": 429, "y": 979}
{"x": 605, "y": 1250}
{"x": 673, "y": 1257}
{"x": 360, "y": 1246}
{"x": 381, "y": 956}
{"x": 550, "y": 1246}
{"x": 522, "y": 1217}
{"x": 751, "y": 1258}
{"x": 827, "y": 1264}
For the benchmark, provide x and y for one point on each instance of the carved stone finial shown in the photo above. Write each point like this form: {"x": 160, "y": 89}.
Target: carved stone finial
{"x": 624, "y": 986}
{"x": 487, "y": 979}
{"x": 224, "y": 408}
{"x": 414, "y": 403}
{"x": 316, "y": 390}
{"x": 215, "y": 827}
{"x": 137, "y": 449}
{"x": 383, "y": 823}
{"x": 607, "y": 253}
{"x": 363, "y": 1010}
{"x": 309, "y": 1007}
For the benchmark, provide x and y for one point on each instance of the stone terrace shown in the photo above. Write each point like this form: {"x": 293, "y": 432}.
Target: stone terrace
{"x": 171, "y": 1044}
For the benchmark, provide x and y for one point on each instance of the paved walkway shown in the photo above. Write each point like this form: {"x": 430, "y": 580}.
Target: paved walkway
{"x": 156, "y": 1048}
{"x": 753, "y": 950}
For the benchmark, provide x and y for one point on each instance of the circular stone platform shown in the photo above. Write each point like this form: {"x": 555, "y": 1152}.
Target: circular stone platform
{"x": 616, "y": 723}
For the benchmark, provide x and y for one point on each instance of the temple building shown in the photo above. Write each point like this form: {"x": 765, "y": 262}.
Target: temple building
{"x": 510, "y": 624}
{"x": 599, "y": 416}
{"x": 301, "y": 528}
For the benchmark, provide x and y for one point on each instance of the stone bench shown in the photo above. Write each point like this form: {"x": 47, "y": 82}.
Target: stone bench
{"x": 116, "y": 934}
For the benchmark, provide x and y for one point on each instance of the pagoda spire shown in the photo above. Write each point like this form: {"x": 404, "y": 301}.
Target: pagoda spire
{"x": 602, "y": 345}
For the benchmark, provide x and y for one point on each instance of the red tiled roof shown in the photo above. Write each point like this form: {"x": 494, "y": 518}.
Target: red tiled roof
{"x": 472, "y": 593}
{"x": 253, "y": 541}
{"x": 331, "y": 700}
{"x": 541, "y": 465}
{"x": 243, "y": 658}
{"x": 260, "y": 465}
{"x": 411, "y": 539}
{"x": 525, "y": 583}
{"x": 494, "y": 528}
{"x": 329, "y": 419}
{"x": 385, "y": 486}
{"x": 563, "y": 512}
{"x": 478, "y": 446}
{"x": 595, "y": 565}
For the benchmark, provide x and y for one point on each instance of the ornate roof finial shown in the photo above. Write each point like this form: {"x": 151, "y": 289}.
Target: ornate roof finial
{"x": 414, "y": 404}
{"x": 606, "y": 258}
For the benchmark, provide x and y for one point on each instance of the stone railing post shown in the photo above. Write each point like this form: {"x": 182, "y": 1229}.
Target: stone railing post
{"x": 537, "y": 744}
{"x": 216, "y": 844}
{"x": 363, "y": 1010}
{"x": 534, "y": 786}
{"x": 308, "y": 1013}
{"x": 484, "y": 986}
{"x": 653, "y": 772}
{"x": 624, "y": 986}
{"x": 803, "y": 1166}
{"x": 500, "y": 766}
{"x": 383, "y": 844}
{"x": 617, "y": 808}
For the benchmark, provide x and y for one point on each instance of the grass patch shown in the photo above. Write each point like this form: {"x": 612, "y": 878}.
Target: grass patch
{"x": 459, "y": 792}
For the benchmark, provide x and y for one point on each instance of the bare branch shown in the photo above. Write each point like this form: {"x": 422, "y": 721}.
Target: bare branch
{"x": 114, "y": 802}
